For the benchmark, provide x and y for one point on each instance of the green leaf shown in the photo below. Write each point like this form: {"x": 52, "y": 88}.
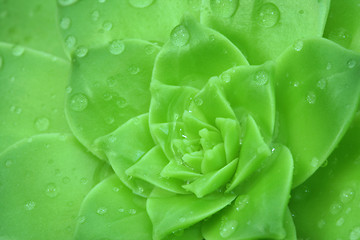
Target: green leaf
{"x": 31, "y": 24}
{"x": 258, "y": 211}
{"x": 342, "y": 25}
{"x": 186, "y": 210}
{"x": 326, "y": 206}
{"x": 109, "y": 85}
{"x": 211, "y": 181}
{"x": 191, "y": 233}
{"x": 317, "y": 92}
{"x": 254, "y": 152}
{"x": 124, "y": 147}
{"x": 194, "y": 54}
{"x": 95, "y": 23}
{"x": 32, "y": 87}
{"x": 262, "y": 30}
{"x": 149, "y": 168}
{"x": 43, "y": 182}
{"x": 249, "y": 90}
{"x": 112, "y": 211}
{"x": 289, "y": 226}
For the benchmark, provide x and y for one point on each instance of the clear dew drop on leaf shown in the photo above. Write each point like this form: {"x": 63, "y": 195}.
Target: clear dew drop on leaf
{"x": 78, "y": 102}
{"x": 116, "y": 47}
{"x": 269, "y": 15}
{"x": 224, "y": 8}
{"x": 180, "y": 36}
{"x": 140, "y": 3}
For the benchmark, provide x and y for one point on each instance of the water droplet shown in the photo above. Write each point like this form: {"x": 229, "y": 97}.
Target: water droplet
{"x": 180, "y": 36}
{"x": 314, "y": 162}
{"x": 116, "y": 189}
{"x": 112, "y": 139}
{"x": 199, "y": 101}
{"x": 68, "y": 89}
{"x": 121, "y": 210}
{"x": 225, "y": 77}
{"x": 81, "y": 219}
{"x": 241, "y": 202}
{"x": 95, "y": 15}
{"x": 133, "y": 69}
{"x": 66, "y": 2}
{"x": 311, "y": 98}
{"x": 107, "y": 96}
{"x": 269, "y": 15}
{"x": 132, "y": 211}
{"x": 149, "y": 49}
{"x": 335, "y": 208}
{"x": 224, "y": 8}
{"x": 347, "y": 195}
{"x": 66, "y": 180}
{"x": 101, "y": 211}
{"x": 8, "y": 163}
{"x": 65, "y": 23}
{"x": 321, "y": 223}
{"x": 81, "y": 52}
{"x": 109, "y": 120}
{"x": 42, "y": 124}
{"x": 328, "y": 66}
{"x": 355, "y": 234}
{"x": 117, "y": 47}
{"x": 227, "y": 228}
{"x": 70, "y": 41}
{"x": 140, "y": 3}
{"x": 340, "y": 222}
{"x": 18, "y": 51}
{"x": 321, "y": 84}
{"x": 107, "y": 26}
{"x": 101, "y": 1}
{"x": 30, "y": 205}
{"x": 51, "y": 190}
{"x": 298, "y": 45}
{"x": 182, "y": 219}
{"x": 261, "y": 78}
{"x": 78, "y": 102}
{"x": 351, "y": 63}
{"x": 84, "y": 180}
{"x": 121, "y": 102}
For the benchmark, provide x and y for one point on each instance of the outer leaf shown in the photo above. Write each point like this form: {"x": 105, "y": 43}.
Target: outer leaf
{"x": 186, "y": 210}
{"x": 342, "y": 25}
{"x": 326, "y": 206}
{"x": 124, "y": 147}
{"x": 317, "y": 94}
{"x": 111, "y": 211}
{"x": 263, "y": 29}
{"x": 43, "y": 182}
{"x": 194, "y": 54}
{"x": 31, "y": 24}
{"x": 109, "y": 86}
{"x": 258, "y": 212}
{"x": 32, "y": 87}
{"x": 95, "y": 23}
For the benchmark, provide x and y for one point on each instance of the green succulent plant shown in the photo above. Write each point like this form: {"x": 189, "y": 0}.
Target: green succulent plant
{"x": 154, "y": 119}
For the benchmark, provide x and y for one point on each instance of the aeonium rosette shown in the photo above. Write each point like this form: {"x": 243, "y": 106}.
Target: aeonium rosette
{"x": 210, "y": 156}
{"x": 203, "y": 146}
